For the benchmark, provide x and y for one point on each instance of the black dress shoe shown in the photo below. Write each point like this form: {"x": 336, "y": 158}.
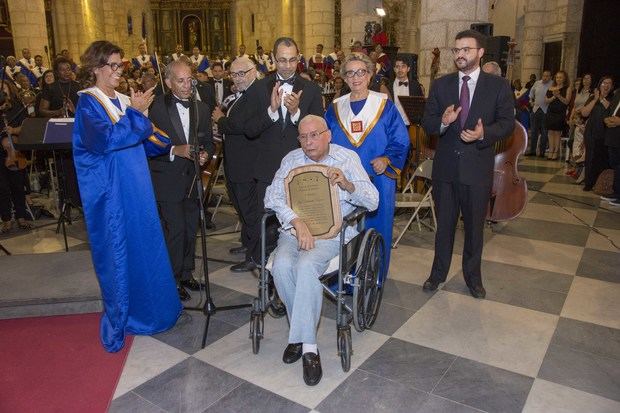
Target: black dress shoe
{"x": 292, "y": 353}
{"x": 183, "y": 294}
{"x": 477, "y": 291}
{"x": 192, "y": 284}
{"x": 238, "y": 250}
{"x": 312, "y": 368}
{"x": 244, "y": 266}
{"x": 430, "y": 285}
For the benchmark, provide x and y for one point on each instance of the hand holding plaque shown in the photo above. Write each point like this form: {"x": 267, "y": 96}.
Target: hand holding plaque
{"x": 314, "y": 199}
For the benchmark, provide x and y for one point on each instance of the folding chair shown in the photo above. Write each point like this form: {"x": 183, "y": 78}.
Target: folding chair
{"x": 410, "y": 199}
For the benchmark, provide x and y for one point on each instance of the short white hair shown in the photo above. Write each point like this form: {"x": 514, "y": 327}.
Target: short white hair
{"x": 315, "y": 118}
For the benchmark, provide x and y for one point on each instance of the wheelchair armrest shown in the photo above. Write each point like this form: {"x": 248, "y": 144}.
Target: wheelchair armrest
{"x": 269, "y": 212}
{"x": 355, "y": 215}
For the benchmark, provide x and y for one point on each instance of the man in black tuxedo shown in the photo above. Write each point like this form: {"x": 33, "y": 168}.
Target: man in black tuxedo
{"x": 236, "y": 119}
{"x": 404, "y": 85}
{"x": 470, "y": 110}
{"x": 221, "y": 85}
{"x": 279, "y": 102}
{"x": 173, "y": 174}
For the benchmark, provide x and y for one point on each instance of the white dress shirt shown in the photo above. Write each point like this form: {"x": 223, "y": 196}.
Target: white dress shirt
{"x": 184, "y": 115}
{"x": 218, "y": 85}
{"x": 401, "y": 91}
{"x": 471, "y": 85}
{"x": 538, "y": 94}
{"x": 287, "y": 89}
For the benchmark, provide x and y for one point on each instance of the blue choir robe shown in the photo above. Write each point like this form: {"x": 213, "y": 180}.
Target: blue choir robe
{"x": 126, "y": 239}
{"x": 377, "y": 130}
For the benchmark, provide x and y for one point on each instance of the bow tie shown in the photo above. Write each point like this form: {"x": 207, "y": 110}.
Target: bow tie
{"x": 290, "y": 81}
{"x": 184, "y": 103}
{"x": 403, "y": 83}
{"x": 218, "y": 81}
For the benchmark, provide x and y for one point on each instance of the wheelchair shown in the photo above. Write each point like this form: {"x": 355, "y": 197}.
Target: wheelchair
{"x": 358, "y": 267}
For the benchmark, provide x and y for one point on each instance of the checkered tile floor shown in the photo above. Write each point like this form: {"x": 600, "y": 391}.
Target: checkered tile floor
{"x": 546, "y": 338}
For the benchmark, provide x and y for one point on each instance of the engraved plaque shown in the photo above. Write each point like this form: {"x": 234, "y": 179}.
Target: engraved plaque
{"x": 314, "y": 200}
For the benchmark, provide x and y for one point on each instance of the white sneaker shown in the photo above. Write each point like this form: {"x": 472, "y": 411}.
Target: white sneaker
{"x": 615, "y": 202}
{"x": 608, "y": 198}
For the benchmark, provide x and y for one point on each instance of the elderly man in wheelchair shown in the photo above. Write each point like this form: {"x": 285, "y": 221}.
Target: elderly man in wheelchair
{"x": 300, "y": 259}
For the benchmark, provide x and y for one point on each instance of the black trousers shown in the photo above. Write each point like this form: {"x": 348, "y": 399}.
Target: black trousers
{"x": 12, "y": 192}
{"x": 244, "y": 196}
{"x": 452, "y": 198}
{"x": 254, "y": 250}
{"x": 179, "y": 221}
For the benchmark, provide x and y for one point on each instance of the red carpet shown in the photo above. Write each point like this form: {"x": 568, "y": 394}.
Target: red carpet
{"x": 57, "y": 364}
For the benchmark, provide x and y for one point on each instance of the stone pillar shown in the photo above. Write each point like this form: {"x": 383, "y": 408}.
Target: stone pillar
{"x": 536, "y": 18}
{"x": 440, "y": 21}
{"x": 318, "y": 26}
{"x": 355, "y": 14}
{"x": 28, "y": 26}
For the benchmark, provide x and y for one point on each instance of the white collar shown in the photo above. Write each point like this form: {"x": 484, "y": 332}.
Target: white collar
{"x": 472, "y": 76}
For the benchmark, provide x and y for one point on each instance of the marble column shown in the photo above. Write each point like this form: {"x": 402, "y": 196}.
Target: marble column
{"x": 440, "y": 21}
{"x": 533, "y": 34}
{"x": 28, "y": 26}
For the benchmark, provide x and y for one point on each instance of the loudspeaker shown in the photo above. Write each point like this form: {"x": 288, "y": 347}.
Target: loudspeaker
{"x": 484, "y": 28}
{"x": 497, "y": 51}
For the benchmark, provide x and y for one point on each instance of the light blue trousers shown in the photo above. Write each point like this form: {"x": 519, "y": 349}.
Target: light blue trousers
{"x": 296, "y": 274}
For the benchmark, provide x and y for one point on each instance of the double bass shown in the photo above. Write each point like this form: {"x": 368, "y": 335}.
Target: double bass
{"x": 509, "y": 193}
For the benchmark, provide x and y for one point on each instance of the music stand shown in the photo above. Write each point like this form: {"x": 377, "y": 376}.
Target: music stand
{"x": 41, "y": 134}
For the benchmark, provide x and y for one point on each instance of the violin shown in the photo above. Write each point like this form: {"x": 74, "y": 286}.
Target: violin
{"x": 509, "y": 193}
{"x": 15, "y": 160}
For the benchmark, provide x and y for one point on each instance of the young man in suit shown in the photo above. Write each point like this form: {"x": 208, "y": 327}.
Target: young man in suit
{"x": 280, "y": 101}
{"x": 220, "y": 84}
{"x": 404, "y": 85}
{"x": 470, "y": 110}
{"x": 173, "y": 174}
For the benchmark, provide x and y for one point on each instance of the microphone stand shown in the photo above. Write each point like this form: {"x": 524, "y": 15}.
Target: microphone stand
{"x": 209, "y": 308}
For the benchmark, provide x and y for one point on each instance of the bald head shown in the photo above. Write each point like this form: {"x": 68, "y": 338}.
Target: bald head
{"x": 243, "y": 72}
{"x": 314, "y": 137}
{"x": 492, "y": 68}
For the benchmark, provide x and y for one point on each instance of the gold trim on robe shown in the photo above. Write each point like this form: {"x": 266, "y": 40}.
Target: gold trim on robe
{"x": 369, "y": 115}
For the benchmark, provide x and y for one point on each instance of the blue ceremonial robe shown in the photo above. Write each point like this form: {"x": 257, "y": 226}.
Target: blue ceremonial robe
{"x": 388, "y": 137}
{"x": 126, "y": 240}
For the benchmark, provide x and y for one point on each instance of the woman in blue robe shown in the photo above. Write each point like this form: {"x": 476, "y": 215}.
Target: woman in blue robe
{"x": 111, "y": 140}
{"x": 369, "y": 123}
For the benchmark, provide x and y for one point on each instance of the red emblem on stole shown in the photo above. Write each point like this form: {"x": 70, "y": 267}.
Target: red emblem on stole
{"x": 357, "y": 126}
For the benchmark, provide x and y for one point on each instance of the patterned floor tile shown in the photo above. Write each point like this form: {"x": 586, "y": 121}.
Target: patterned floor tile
{"x": 608, "y": 219}
{"x": 190, "y": 386}
{"x": 413, "y": 265}
{"x": 534, "y": 185}
{"x": 542, "y": 255}
{"x": 147, "y": 358}
{"x": 593, "y": 301}
{"x": 568, "y": 190}
{"x": 572, "y": 201}
{"x": 603, "y": 240}
{"x": 233, "y": 354}
{"x": 600, "y": 265}
{"x": 559, "y": 232}
{"x": 587, "y": 337}
{"x": 539, "y": 168}
{"x": 409, "y": 364}
{"x": 582, "y": 371}
{"x": 365, "y": 392}
{"x": 553, "y": 213}
{"x": 482, "y": 330}
{"x": 484, "y": 387}
{"x": 536, "y": 176}
{"x": 132, "y": 403}
{"x": 249, "y": 398}
{"x": 520, "y": 286}
{"x": 547, "y": 397}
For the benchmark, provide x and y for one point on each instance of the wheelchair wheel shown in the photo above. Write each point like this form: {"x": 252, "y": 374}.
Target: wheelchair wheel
{"x": 345, "y": 347}
{"x": 256, "y": 328}
{"x": 276, "y": 307}
{"x": 368, "y": 288}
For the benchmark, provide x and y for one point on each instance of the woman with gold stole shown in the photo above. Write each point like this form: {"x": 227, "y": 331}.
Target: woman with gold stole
{"x": 111, "y": 141}
{"x": 369, "y": 123}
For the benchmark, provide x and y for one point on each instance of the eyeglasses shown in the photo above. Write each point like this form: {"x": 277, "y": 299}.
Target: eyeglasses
{"x": 465, "y": 50}
{"x": 359, "y": 73}
{"x": 312, "y": 136}
{"x": 284, "y": 61}
{"x": 114, "y": 66}
{"x": 240, "y": 74}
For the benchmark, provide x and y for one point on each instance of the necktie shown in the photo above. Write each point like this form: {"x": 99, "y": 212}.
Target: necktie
{"x": 184, "y": 103}
{"x": 464, "y": 101}
{"x": 403, "y": 83}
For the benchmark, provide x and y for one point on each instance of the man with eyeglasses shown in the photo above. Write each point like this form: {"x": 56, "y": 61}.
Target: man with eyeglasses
{"x": 279, "y": 102}
{"x": 471, "y": 110}
{"x": 300, "y": 259}
{"x": 234, "y": 119}
{"x": 173, "y": 175}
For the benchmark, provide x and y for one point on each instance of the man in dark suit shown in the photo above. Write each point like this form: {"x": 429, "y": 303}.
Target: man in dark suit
{"x": 470, "y": 110}
{"x": 221, "y": 85}
{"x": 612, "y": 141}
{"x": 240, "y": 152}
{"x": 173, "y": 174}
{"x": 284, "y": 99}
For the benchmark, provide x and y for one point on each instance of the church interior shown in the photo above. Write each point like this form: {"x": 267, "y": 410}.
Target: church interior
{"x": 546, "y": 338}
